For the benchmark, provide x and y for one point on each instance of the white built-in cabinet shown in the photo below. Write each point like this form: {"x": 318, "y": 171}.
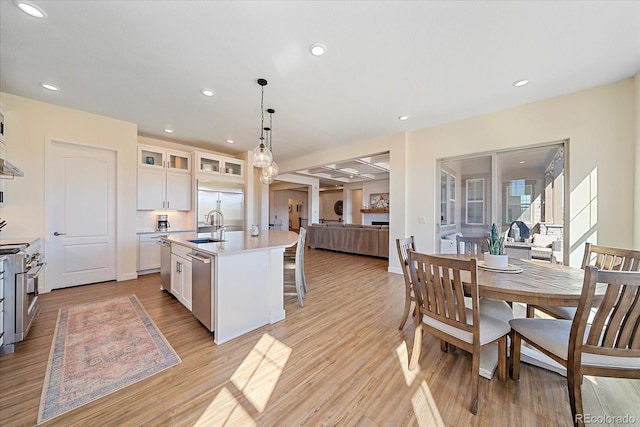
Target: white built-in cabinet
{"x": 181, "y": 275}
{"x": 164, "y": 179}
{"x": 149, "y": 251}
{"x": 208, "y": 164}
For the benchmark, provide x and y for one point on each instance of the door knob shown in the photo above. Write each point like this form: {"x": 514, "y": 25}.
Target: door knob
{"x": 59, "y": 234}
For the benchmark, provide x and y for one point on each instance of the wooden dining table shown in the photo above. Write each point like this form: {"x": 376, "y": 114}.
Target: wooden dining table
{"x": 539, "y": 283}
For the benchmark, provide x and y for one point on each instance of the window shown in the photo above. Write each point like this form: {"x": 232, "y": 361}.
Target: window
{"x": 475, "y": 201}
{"x": 447, "y": 198}
{"x": 518, "y": 204}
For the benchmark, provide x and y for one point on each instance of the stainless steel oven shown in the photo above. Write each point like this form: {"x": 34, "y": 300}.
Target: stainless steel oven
{"x": 23, "y": 277}
{"x": 27, "y": 281}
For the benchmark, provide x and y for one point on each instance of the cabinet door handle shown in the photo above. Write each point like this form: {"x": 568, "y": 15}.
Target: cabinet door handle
{"x": 167, "y": 204}
{"x": 57, "y": 233}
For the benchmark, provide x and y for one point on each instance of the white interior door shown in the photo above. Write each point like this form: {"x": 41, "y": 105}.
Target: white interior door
{"x": 80, "y": 230}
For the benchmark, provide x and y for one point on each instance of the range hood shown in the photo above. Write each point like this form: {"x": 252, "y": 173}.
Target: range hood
{"x": 7, "y": 169}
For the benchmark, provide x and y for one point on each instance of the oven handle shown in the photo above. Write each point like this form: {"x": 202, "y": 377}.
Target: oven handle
{"x": 37, "y": 273}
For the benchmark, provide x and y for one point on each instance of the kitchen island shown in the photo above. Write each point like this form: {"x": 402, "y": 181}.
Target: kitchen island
{"x": 246, "y": 279}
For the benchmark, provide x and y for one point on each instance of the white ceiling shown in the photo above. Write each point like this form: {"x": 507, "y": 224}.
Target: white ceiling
{"x": 146, "y": 61}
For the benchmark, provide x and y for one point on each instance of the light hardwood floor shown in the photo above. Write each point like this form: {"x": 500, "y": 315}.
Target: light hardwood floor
{"x": 340, "y": 360}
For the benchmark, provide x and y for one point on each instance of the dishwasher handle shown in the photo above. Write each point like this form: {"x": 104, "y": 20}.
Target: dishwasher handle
{"x": 196, "y": 256}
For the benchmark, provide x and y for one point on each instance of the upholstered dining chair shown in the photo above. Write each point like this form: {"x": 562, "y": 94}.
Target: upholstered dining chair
{"x": 294, "y": 270}
{"x": 609, "y": 346}
{"x": 601, "y": 257}
{"x": 474, "y": 246}
{"x": 405, "y": 245}
{"x": 440, "y": 311}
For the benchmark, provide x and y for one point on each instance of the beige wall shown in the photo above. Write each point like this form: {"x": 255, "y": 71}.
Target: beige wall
{"x": 29, "y": 124}
{"x": 636, "y": 219}
{"x": 600, "y": 126}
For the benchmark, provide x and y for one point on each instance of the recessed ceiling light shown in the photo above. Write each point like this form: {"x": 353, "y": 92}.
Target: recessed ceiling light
{"x": 207, "y": 92}
{"x": 31, "y": 9}
{"x": 229, "y": 141}
{"x": 521, "y": 162}
{"x": 317, "y": 49}
{"x": 403, "y": 118}
{"x": 49, "y": 86}
{"x": 167, "y": 130}
{"x": 520, "y": 83}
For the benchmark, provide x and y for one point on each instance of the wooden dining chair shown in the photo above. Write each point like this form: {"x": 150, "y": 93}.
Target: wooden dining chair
{"x": 608, "y": 346}
{"x": 474, "y": 246}
{"x": 294, "y": 277}
{"x": 405, "y": 245}
{"x": 440, "y": 311}
{"x": 601, "y": 257}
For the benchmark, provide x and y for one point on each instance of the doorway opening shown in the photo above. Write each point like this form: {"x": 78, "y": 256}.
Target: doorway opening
{"x": 522, "y": 191}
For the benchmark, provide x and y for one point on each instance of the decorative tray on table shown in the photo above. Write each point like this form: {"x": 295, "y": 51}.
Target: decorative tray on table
{"x": 508, "y": 269}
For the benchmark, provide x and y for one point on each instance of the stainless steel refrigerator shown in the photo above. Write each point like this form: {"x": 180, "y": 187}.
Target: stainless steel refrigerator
{"x": 228, "y": 197}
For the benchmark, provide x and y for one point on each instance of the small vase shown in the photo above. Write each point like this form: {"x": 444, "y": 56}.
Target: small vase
{"x": 254, "y": 230}
{"x": 498, "y": 261}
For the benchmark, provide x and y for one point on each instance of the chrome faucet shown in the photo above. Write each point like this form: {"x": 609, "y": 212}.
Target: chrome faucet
{"x": 216, "y": 219}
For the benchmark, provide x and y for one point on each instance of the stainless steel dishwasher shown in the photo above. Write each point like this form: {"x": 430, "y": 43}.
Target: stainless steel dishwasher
{"x": 202, "y": 287}
{"x": 165, "y": 265}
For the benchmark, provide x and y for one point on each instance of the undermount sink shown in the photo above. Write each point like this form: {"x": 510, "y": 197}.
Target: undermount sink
{"x": 205, "y": 240}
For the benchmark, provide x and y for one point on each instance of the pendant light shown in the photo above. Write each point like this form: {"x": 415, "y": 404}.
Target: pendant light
{"x": 266, "y": 179}
{"x": 261, "y": 154}
{"x": 272, "y": 170}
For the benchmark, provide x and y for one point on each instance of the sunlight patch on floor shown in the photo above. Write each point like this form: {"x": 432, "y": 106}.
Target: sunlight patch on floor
{"x": 403, "y": 357}
{"x": 425, "y": 407}
{"x": 258, "y": 374}
{"x": 591, "y": 379}
{"x": 225, "y": 410}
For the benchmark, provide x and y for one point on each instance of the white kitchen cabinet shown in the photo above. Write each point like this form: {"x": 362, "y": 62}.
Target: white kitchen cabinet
{"x": 149, "y": 251}
{"x": 164, "y": 179}
{"x": 208, "y": 164}
{"x": 181, "y": 275}
{"x": 152, "y": 157}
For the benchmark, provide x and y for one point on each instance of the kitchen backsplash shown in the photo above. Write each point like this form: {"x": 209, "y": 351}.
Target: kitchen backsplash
{"x": 147, "y": 220}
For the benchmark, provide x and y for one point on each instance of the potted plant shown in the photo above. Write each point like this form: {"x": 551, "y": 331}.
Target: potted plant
{"x": 496, "y": 256}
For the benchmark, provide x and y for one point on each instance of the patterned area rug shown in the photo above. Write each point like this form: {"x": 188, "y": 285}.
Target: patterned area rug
{"x": 99, "y": 348}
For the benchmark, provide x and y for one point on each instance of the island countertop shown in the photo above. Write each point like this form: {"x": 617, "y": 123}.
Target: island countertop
{"x": 236, "y": 241}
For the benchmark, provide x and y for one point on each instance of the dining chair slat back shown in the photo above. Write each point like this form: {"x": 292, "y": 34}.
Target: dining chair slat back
{"x": 603, "y": 258}
{"x": 440, "y": 310}
{"x": 607, "y": 344}
{"x": 403, "y": 246}
{"x": 294, "y": 270}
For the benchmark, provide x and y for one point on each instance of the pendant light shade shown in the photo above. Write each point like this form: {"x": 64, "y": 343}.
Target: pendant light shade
{"x": 261, "y": 154}
{"x": 266, "y": 179}
{"x": 272, "y": 170}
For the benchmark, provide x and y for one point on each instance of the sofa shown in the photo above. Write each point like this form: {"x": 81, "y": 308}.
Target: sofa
{"x": 371, "y": 240}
